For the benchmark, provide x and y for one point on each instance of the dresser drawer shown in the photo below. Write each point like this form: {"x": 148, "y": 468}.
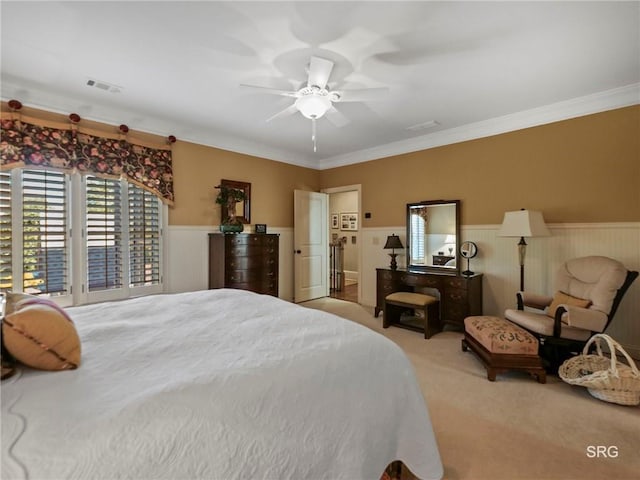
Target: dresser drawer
{"x": 250, "y": 262}
{"x": 251, "y": 251}
{"x": 251, "y": 239}
{"x": 270, "y": 288}
{"x": 456, "y": 282}
{"x": 251, "y": 275}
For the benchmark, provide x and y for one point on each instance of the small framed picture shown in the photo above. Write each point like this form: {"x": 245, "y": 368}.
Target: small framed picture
{"x": 261, "y": 228}
{"x": 349, "y": 221}
{"x": 334, "y": 221}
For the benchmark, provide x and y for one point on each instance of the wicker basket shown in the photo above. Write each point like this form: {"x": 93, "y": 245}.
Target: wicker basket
{"x": 606, "y": 378}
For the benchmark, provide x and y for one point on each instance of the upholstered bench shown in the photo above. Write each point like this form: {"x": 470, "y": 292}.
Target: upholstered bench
{"x": 395, "y": 304}
{"x": 501, "y": 346}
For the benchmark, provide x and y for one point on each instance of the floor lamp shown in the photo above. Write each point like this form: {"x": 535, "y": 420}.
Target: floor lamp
{"x": 523, "y": 223}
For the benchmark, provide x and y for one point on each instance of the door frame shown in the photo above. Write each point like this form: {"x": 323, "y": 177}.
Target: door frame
{"x": 349, "y": 188}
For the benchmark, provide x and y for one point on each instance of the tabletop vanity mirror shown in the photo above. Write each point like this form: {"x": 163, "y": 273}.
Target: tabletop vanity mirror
{"x": 433, "y": 236}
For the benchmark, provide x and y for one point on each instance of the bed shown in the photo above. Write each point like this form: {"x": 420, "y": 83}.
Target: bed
{"x": 218, "y": 384}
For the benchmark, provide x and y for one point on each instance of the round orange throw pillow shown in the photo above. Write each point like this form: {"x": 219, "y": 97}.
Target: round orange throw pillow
{"x": 40, "y": 334}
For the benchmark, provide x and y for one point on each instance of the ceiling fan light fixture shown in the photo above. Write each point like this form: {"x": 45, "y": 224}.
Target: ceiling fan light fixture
{"x": 313, "y": 106}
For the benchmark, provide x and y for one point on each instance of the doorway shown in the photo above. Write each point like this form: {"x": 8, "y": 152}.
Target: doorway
{"x": 345, "y": 226}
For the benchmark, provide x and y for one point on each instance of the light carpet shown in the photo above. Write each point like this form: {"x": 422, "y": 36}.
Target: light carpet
{"x": 513, "y": 428}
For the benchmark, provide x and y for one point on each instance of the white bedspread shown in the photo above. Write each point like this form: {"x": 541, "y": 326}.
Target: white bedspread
{"x": 219, "y": 384}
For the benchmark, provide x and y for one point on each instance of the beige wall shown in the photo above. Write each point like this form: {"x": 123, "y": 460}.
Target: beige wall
{"x": 198, "y": 169}
{"x": 585, "y": 169}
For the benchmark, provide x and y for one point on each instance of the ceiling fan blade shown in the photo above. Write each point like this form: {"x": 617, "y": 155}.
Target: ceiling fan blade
{"x": 362, "y": 94}
{"x": 336, "y": 117}
{"x": 319, "y": 71}
{"x": 290, "y": 110}
{"x": 274, "y": 91}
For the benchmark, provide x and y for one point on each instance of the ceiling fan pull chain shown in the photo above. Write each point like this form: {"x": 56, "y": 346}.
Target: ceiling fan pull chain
{"x": 313, "y": 134}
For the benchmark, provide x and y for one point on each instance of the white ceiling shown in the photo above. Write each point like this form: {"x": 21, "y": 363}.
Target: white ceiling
{"x": 476, "y": 68}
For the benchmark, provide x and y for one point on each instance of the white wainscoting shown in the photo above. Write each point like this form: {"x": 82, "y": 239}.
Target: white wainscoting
{"x": 188, "y": 265}
{"x": 497, "y": 260}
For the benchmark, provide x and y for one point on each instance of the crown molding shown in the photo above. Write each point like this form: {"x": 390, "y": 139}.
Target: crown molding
{"x": 577, "y": 107}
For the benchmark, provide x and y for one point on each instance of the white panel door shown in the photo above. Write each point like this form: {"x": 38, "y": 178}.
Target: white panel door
{"x": 310, "y": 245}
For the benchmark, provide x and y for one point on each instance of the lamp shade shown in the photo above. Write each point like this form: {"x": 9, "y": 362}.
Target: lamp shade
{"x": 523, "y": 223}
{"x": 393, "y": 241}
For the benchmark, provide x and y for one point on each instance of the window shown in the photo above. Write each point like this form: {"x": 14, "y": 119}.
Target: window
{"x": 44, "y": 232}
{"x": 83, "y": 238}
{"x": 103, "y": 233}
{"x": 144, "y": 237}
{"x": 6, "y": 245}
{"x": 417, "y": 239}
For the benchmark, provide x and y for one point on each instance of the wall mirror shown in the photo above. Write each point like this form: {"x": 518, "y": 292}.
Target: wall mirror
{"x": 433, "y": 236}
{"x": 243, "y": 208}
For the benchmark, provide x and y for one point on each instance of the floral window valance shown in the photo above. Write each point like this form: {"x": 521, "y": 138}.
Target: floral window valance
{"x": 24, "y": 144}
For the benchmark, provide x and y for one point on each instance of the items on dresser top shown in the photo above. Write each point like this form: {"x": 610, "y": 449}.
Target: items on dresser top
{"x": 244, "y": 261}
{"x": 442, "y": 259}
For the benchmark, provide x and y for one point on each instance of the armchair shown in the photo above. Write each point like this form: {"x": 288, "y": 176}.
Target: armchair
{"x": 588, "y": 293}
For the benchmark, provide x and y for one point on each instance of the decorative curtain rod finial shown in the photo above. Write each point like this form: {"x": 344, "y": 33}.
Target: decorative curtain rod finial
{"x": 123, "y": 128}
{"x": 171, "y": 139}
{"x": 74, "y": 117}
{"x": 15, "y": 105}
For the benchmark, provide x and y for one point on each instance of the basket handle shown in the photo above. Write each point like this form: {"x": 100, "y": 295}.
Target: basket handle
{"x": 613, "y": 346}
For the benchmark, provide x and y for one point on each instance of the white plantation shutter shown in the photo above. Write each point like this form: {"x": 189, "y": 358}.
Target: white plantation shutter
{"x": 45, "y": 238}
{"x": 6, "y": 277}
{"x": 417, "y": 239}
{"x": 144, "y": 237}
{"x": 103, "y": 203}
{"x": 115, "y": 250}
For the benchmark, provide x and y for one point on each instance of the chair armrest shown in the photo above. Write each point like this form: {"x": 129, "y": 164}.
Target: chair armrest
{"x": 533, "y": 300}
{"x": 584, "y": 318}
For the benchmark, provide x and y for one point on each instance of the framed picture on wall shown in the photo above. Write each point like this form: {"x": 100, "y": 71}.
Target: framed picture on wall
{"x": 334, "y": 221}
{"x": 349, "y": 221}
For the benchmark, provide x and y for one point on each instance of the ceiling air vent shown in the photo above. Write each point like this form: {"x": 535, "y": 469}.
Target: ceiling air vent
{"x": 423, "y": 126}
{"x": 107, "y": 87}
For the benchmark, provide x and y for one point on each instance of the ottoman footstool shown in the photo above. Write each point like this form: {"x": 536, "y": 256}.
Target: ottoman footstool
{"x": 501, "y": 345}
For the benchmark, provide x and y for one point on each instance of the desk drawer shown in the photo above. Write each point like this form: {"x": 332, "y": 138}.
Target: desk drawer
{"x": 420, "y": 280}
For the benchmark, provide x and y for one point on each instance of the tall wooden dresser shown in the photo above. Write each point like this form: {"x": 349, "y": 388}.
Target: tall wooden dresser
{"x": 246, "y": 261}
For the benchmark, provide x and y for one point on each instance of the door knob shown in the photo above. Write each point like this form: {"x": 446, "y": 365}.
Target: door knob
{"x": 298, "y": 251}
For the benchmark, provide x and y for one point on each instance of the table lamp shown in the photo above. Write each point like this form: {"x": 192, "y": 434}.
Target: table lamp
{"x": 393, "y": 242}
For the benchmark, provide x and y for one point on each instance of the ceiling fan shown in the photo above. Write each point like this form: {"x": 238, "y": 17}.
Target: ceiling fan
{"x": 315, "y": 100}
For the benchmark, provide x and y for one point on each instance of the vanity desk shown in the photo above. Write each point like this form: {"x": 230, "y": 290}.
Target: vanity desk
{"x": 433, "y": 230}
{"x": 460, "y": 295}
